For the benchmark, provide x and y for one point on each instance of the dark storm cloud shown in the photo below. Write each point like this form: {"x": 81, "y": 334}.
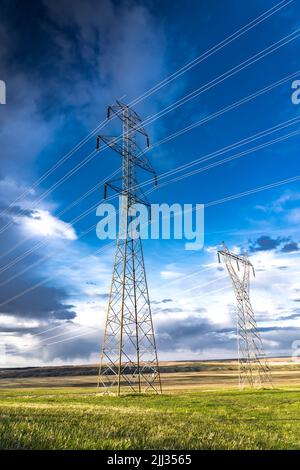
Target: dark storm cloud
{"x": 276, "y": 328}
{"x": 188, "y": 335}
{"x": 192, "y": 326}
{"x": 290, "y": 247}
{"x": 158, "y": 302}
{"x": 43, "y": 302}
{"x": 77, "y": 348}
{"x": 103, "y": 296}
{"x": 266, "y": 243}
{"x": 280, "y": 341}
{"x": 106, "y": 45}
{"x": 61, "y": 62}
{"x": 21, "y": 329}
{"x": 18, "y": 211}
{"x": 292, "y": 316}
{"x": 193, "y": 334}
{"x": 172, "y": 310}
{"x": 200, "y": 310}
{"x": 25, "y": 127}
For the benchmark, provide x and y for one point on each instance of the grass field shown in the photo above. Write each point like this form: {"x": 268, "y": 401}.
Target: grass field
{"x": 190, "y": 415}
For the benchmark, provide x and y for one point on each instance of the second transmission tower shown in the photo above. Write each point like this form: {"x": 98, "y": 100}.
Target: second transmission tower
{"x": 129, "y": 357}
{"x": 253, "y": 367}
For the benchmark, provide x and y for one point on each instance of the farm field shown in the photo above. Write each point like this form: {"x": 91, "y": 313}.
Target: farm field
{"x": 197, "y": 411}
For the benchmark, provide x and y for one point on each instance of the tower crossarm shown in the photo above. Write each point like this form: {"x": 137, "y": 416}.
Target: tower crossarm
{"x": 139, "y": 160}
{"x": 240, "y": 259}
{"x": 132, "y": 195}
{"x": 128, "y": 115}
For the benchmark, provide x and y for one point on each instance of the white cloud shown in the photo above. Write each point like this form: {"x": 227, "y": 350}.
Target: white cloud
{"x": 43, "y": 224}
{"x": 170, "y": 274}
{"x": 12, "y": 321}
{"x": 10, "y": 189}
{"x": 209, "y": 296}
{"x": 293, "y": 216}
{"x": 201, "y": 306}
{"x": 279, "y": 205}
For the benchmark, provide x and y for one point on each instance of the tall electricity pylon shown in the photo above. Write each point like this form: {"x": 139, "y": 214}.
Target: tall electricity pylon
{"x": 129, "y": 356}
{"x": 253, "y": 367}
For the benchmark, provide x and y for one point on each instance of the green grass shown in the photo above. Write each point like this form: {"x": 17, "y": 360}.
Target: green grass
{"x": 80, "y": 419}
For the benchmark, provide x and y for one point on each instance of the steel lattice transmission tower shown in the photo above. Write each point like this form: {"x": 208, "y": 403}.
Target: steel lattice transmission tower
{"x": 129, "y": 356}
{"x": 253, "y": 367}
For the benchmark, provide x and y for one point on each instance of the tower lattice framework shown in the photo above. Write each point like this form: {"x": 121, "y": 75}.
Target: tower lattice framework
{"x": 129, "y": 359}
{"x": 254, "y": 370}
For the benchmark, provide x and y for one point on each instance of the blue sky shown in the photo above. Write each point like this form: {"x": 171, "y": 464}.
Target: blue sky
{"x": 63, "y": 63}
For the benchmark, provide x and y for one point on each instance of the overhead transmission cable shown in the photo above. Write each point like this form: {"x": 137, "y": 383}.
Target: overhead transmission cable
{"x": 259, "y": 19}
{"x": 278, "y": 183}
{"x": 207, "y": 157}
{"x": 270, "y": 49}
{"x": 172, "y": 172}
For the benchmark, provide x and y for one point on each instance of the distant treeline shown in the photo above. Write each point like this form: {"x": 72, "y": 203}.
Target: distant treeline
{"x": 60, "y": 371}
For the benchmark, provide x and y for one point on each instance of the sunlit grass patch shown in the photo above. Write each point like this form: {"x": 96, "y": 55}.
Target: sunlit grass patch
{"x": 81, "y": 419}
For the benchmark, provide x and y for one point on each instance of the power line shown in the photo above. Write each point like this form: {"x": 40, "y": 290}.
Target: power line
{"x": 48, "y": 329}
{"x": 204, "y": 285}
{"x": 269, "y": 50}
{"x": 180, "y": 278}
{"x": 229, "y": 198}
{"x": 217, "y": 47}
{"x": 229, "y": 73}
{"x": 63, "y": 211}
{"x": 235, "y": 68}
{"x": 254, "y": 191}
{"x": 219, "y": 201}
{"x": 166, "y": 139}
{"x": 27, "y": 347}
{"x": 194, "y": 125}
{"x": 265, "y": 15}
{"x": 178, "y": 178}
{"x": 233, "y": 157}
{"x": 235, "y": 145}
{"x": 224, "y": 110}
{"x": 90, "y": 190}
{"x": 50, "y": 344}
